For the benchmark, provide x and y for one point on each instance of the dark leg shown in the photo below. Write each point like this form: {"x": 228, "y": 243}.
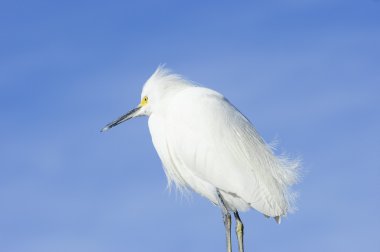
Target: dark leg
{"x": 239, "y": 231}
{"x": 226, "y": 220}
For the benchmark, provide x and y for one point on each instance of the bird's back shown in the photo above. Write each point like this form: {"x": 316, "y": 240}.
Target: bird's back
{"x": 205, "y": 143}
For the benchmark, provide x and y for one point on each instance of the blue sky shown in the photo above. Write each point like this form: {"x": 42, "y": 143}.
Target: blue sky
{"x": 305, "y": 72}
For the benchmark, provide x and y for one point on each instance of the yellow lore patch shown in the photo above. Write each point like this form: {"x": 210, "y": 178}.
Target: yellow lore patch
{"x": 144, "y": 101}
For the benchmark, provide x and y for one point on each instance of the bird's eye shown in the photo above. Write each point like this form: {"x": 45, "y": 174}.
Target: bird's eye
{"x": 144, "y": 101}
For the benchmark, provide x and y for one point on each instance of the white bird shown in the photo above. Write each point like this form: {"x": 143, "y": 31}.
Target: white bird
{"x": 207, "y": 145}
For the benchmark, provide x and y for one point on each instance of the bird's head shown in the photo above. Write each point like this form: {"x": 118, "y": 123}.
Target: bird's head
{"x": 157, "y": 90}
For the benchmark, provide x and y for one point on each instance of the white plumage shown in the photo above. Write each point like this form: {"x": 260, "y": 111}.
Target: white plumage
{"x": 207, "y": 145}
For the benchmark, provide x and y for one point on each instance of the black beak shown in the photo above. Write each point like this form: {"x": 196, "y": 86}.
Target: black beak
{"x": 121, "y": 119}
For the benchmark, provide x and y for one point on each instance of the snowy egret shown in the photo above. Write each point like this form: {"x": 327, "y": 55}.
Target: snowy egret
{"x": 207, "y": 145}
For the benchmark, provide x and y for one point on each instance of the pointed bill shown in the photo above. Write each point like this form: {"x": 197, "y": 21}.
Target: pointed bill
{"x": 123, "y": 118}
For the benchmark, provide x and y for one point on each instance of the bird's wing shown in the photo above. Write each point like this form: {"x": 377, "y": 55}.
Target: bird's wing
{"x": 208, "y": 136}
